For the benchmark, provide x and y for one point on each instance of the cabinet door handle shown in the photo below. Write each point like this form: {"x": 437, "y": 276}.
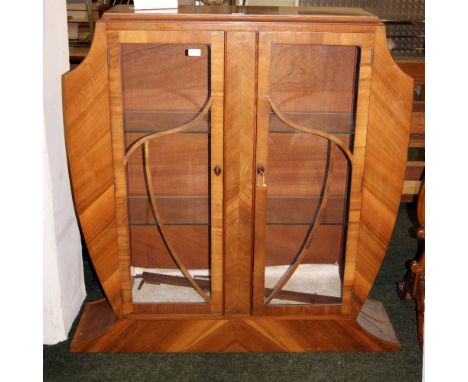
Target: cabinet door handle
{"x": 261, "y": 176}
{"x": 217, "y": 170}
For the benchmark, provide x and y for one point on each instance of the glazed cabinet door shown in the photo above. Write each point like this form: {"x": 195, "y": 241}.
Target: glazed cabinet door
{"x": 167, "y": 135}
{"x": 313, "y": 95}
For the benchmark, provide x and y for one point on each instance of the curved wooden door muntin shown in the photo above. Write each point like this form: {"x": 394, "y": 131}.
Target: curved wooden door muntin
{"x": 364, "y": 45}
{"x": 213, "y": 104}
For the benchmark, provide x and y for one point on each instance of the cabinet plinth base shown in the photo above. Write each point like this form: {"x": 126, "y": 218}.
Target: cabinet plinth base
{"x": 100, "y": 331}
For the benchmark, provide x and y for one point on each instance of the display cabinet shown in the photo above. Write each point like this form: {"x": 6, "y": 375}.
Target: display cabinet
{"x": 237, "y": 173}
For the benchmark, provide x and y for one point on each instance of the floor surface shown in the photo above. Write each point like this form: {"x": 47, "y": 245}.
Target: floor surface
{"x": 59, "y": 364}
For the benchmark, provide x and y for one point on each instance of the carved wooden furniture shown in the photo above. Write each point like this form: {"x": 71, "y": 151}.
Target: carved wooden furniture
{"x": 413, "y": 284}
{"x": 237, "y": 173}
{"x": 415, "y": 166}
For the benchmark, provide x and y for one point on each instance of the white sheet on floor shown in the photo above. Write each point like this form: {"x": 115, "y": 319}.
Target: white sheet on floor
{"x": 322, "y": 279}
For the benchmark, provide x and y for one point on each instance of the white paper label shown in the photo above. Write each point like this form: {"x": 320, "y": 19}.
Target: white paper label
{"x": 194, "y": 52}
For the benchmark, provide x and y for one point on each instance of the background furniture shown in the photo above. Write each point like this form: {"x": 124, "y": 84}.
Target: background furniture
{"x": 413, "y": 284}
{"x": 405, "y": 29}
{"x": 235, "y": 197}
{"x": 415, "y": 166}
{"x": 81, "y": 17}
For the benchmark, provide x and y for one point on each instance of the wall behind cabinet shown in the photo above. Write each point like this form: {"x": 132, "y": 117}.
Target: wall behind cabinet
{"x": 63, "y": 281}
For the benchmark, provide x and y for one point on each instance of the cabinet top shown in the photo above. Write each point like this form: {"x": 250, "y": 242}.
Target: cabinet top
{"x": 248, "y": 13}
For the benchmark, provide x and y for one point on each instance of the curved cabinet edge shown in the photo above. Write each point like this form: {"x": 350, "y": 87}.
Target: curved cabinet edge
{"x": 89, "y": 151}
{"x": 388, "y": 135}
{"x": 99, "y": 331}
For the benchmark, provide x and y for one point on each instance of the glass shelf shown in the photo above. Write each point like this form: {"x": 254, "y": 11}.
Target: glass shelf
{"x": 332, "y": 123}
{"x": 174, "y": 211}
{"x": 157, "y": 121}
{"x": 194, "y": 210}
{"x": 300, "y": 210}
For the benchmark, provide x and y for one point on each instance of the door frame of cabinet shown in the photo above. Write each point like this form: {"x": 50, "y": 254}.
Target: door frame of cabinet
{"x": 215, "y": 40}
{"x": 365, "y": 43}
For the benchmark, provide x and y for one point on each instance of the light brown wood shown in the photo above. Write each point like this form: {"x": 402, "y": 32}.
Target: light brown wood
{"x": 217, "y": 159}
{"x": 355, "y": 192}
{"x": 233, "y": 13}
{"x": 219, "y": 334}
{"x": 239, "y": 124}
{"x": 384, "y": 168}
{"x": 89, "y": 146}
{"x": 231, "y": 173}
{"x": 118, "y": 152}
{"x": 411, "y": 187}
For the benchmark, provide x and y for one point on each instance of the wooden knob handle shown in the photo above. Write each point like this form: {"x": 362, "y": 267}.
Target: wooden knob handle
{"x": 217, "y": 170}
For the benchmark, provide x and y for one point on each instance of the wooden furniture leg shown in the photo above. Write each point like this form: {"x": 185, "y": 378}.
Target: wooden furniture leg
{"x": 413, "y": 284}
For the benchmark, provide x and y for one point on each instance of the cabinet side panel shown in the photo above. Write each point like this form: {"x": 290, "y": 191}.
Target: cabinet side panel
{"x": 89, "y": 150}
{"x": 238, "y": 158}
{"x": 384, "y": 167}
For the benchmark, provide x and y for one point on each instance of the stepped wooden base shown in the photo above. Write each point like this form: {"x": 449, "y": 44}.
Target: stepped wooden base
{"x": 100, "y": 331}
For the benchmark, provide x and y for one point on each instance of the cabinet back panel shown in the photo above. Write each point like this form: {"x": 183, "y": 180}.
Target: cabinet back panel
{"x": 313, "y": 77}
{"x": 296, "y": 165}
{"x": 283, "y": 242}
{"x": 172, "y": 210}
{"x": 190, "y": 243}
{"x": 164, "y": 77}
{"x": 179, "y": 166}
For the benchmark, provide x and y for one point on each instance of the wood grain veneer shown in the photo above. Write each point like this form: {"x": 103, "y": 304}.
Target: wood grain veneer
{"x": 89, "y": 150}
{"x": 250, "y": 181}
{"x": 99, "y": 332}
{"x": 384, "y": 167}
{"x": 239, "y": 119}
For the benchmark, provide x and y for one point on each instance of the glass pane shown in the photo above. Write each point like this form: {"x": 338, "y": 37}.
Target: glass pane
{"x": 168, "y": 172}
{"x": 312, "y": 89}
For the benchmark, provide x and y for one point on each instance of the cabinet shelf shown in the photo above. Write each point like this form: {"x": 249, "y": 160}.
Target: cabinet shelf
{"x": 194, "y": 210}
{"x": 157, "y": 121}
{"x": 332, "y": 123}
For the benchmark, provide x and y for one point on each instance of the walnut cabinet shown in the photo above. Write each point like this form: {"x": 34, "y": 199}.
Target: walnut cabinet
{"x": 237, "y": 173}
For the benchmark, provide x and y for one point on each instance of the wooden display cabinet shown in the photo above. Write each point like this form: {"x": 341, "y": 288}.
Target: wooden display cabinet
{"x": 237, "y": 173}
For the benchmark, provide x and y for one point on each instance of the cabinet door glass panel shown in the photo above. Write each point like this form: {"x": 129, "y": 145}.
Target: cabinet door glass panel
{"x": 166, "y": 112}
{"x": 311, "y": 134}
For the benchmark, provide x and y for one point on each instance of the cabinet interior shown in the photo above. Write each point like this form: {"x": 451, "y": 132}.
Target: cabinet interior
{"x": 164, "y": 87}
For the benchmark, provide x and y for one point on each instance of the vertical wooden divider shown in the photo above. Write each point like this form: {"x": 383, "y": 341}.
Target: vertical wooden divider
{"x": 118, "y": 152}
{"x": 238, "y": 158}
{"x": 263, "y": 108}
{"x": 359, "y": 151}
{"x": 217, "y": 93}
